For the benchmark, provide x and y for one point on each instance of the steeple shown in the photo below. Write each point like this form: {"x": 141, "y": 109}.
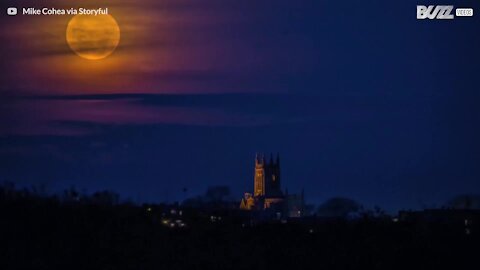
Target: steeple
{"x": 259, "y": 159}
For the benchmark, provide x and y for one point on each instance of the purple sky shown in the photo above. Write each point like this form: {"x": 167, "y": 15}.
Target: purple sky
{"x": 361, "y": 100}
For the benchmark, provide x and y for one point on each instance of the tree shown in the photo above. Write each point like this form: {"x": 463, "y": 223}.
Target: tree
{"x": 214, "y": 197}
{"x": 465, "y": 201}
{"x": 217, "y": 193}
{"x": 338, "y": 207}
{"x": 105, "y": 198}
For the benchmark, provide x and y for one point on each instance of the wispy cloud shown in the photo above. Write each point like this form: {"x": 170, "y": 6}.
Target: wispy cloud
{"x": 67, "y": 115}
{"x": 86, "y": 114}
{"x": 173, "y": 46}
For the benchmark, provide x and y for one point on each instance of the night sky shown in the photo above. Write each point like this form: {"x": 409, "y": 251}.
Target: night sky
{"x": 360, "y": 98}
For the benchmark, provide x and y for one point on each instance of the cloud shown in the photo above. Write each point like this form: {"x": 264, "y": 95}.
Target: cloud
{"x": 69, "y": 115}
{"x": 81, "y": 115}
{"x": 183, "y": 46}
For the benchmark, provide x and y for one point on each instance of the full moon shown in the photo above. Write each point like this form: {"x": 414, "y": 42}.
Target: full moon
{"x": 93, "y": 37}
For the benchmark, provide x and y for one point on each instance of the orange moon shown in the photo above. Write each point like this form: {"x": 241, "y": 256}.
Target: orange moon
{"x": 93, "y": 37}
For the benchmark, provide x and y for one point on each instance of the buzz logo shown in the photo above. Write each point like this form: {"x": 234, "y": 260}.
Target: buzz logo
{"x": 435, "y": 12}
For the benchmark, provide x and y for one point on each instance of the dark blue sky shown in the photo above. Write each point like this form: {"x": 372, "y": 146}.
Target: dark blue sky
{"x": 361, "y": 100}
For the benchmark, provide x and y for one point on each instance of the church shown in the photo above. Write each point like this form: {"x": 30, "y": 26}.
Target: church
{"x": 267, "y": 193}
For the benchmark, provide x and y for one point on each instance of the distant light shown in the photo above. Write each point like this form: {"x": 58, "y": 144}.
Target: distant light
{"x": 172, "y": 225}
{"x": 395, "y": 219}
{"x": 149, "y": 209}
{"x": 310, "y": 231}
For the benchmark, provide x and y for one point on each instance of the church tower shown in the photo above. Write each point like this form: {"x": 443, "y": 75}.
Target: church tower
{"x": 267, "y": 177}
{"x": 267, "y": 193}
{"x": 272, "y": 178}
{"x": 259, "y": 183}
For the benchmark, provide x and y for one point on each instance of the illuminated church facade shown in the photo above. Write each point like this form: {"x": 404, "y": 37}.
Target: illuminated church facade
{"x": 267, "y": 193}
